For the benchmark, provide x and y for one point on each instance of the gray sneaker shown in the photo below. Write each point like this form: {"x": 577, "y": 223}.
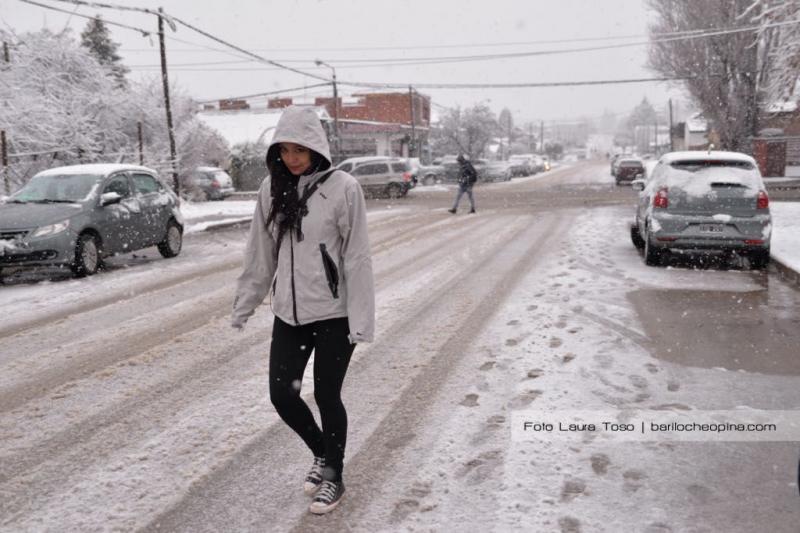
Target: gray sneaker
{"x": 314, "y": 476}
{"x": 328, "y": 497}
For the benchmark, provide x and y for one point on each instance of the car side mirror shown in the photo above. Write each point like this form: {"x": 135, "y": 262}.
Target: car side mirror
{"x": 109, "y": 198}
{"x": 637, "y": 184}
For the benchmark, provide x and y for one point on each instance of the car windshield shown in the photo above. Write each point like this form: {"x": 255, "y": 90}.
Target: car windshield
{"x": 56, "y": 188}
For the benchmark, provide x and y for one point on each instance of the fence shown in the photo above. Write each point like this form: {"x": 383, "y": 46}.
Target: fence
{"x": 16, "y": 168}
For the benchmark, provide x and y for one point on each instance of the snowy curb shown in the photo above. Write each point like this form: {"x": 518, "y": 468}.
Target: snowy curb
{"x": 785, "y": 270}
{"x": 221, "y": 224}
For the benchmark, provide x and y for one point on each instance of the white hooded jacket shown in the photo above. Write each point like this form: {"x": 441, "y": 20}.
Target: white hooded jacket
{"x": 329, "y": 273}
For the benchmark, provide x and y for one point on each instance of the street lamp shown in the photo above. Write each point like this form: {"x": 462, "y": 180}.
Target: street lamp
{"x": 321, "y": 63}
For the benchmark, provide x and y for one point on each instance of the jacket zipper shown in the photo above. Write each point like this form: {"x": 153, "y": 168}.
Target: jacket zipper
{"x": 331, "y": 272}
{"x": 294, "y": 296}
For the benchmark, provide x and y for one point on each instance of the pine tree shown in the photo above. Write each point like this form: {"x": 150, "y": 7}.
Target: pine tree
{"x": 96, "y": 39}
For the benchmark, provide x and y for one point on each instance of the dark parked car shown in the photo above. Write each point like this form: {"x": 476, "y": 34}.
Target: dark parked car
{"x": 76, "y": 215}
{"x": 707, "y": 202}
{"x": 215, "y": 183}
{"x": 492, "y": 170}
{"x": 628, "y": 169}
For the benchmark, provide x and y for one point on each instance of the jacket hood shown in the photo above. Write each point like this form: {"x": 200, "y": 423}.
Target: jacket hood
{"x": 301, "y": 125}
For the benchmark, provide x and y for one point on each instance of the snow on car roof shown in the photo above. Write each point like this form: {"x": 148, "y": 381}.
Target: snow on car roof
{"x": 103, "y": 169}
{"x": 699, "y": 155}
{"x": 361, "y": 159}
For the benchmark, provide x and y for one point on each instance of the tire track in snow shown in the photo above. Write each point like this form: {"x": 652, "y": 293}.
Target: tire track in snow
{"x": 396, "y": 362}
{"x": 68, "y": 453}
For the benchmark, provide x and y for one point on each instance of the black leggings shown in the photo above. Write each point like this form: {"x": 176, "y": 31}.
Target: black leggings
{"x": 291, "y": 348}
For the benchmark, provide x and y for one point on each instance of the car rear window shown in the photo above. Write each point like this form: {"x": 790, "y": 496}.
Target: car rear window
{"x": 698, "y": 177}
{"x": 631, "y": 164}
{"x": 700, "y": 164}
{"x": 374, "y": 168}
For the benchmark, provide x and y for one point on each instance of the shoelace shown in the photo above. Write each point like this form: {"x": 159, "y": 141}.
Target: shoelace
{"x": 326, "y": 492}
{"x": 316, "y": 468}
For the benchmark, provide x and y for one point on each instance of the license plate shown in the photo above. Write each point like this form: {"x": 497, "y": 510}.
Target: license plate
{"x": 711, "y": 228}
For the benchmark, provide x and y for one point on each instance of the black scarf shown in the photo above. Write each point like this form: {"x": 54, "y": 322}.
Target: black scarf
{"x": 286, "y": 210}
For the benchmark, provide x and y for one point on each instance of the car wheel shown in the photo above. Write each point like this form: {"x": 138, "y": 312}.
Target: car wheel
{"x": 173, "y": 240}
{"x": 430, "y": 179}
{"x": 636, "y": 237}
{"x": 394, "y": 191}
{"x": 759, "y": 260}
{"x": 652, "y": 255}
{"x": 87, "y": 256}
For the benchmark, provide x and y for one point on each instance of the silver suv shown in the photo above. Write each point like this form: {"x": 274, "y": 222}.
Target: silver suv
{"x": 381, "y": 176}
{"x": 704, "y": 202}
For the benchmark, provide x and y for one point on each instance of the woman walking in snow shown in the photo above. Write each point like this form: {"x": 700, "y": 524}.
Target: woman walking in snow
{"x": 308, "y": 246}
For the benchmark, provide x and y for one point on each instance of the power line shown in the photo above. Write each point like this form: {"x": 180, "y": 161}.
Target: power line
{"x": 433, "y": 60}
{"x": 144, "y": 32}
{"x": 270, "y": 93}
{"x": 470, "y": 45}
{"x": 171, "y": 21}
{"x": 108, "y": 6}
{"x": 511, "y": 85}
{"x": 256, "y": 56}
{"x": 461, "y": 86}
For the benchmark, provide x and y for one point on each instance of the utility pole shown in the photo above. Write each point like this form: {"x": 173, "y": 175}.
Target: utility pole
{"x": 655, "y": 136}
{"x": 172, "y": 155}
{"x": 412, "y": 147}
{"x": 541, "y": 137}
{"x": 6, "y": 55}
{"x": 508, "y": 152}
{"x": 336, "y": 145}
{"x": 530, "y": 137}
{"x": 671, "y": 142}
{"x": 141, "y": 147}
{"x": 4, "y": 161}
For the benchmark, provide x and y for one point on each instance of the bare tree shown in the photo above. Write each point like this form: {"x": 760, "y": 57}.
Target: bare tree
{"x": 466, "y": 131}
{"x": 721, "y": 71}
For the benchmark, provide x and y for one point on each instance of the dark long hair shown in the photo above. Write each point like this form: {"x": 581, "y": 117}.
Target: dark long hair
{"x": 285, "y": 207}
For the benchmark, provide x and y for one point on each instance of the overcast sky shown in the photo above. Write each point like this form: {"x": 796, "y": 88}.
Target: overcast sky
{"x": 344, "y": 33}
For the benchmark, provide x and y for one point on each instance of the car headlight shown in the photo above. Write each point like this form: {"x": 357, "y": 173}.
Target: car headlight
{"x": 52, "y": 229}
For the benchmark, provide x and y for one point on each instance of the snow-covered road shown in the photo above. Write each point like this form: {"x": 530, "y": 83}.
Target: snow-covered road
{"x": 127, "y": 402}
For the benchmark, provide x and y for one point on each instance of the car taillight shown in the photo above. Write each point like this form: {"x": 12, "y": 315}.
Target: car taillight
{"x": 406, "y": 176}
{"x": 215, "y": 184}
{"x": 660, "y": 200}
{"x": 763, "y": 200}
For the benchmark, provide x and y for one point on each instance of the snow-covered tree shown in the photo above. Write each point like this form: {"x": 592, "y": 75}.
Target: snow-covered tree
{"x": 57, "y": 98}
{"x": 780, "y": 56}
{"x": 721, "y": 71}
{"x": 97, "y": 40}
{"x": 59, "y": 103}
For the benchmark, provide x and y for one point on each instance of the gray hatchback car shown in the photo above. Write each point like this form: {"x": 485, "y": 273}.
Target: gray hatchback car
{"x": 76, "y": 215}
{"x": 705, "y": 202}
